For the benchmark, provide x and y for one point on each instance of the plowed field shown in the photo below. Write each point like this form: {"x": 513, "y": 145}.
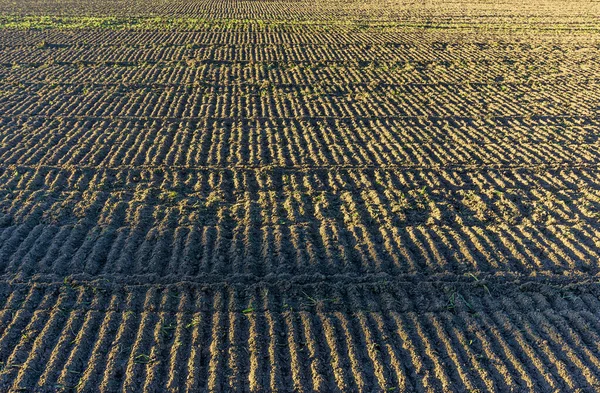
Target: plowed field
{"x": 299, "y": 196}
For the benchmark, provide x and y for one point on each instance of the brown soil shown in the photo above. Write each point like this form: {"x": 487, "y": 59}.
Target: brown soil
{"x": 291, "y": 196}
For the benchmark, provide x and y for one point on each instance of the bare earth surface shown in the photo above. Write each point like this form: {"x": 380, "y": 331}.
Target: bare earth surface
{"x": 299, "y": 196}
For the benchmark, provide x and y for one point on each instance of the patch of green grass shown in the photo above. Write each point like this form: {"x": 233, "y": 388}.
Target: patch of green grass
{"x": 165, "y": 23}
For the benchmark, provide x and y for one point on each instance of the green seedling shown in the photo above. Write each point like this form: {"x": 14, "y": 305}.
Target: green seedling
{"x": 142, "y": 359}
{"x": 167, "y": 329}
{"x": 169, "y": 195}
{"x": 455, "y": 297}
{"x": 313, "y": 302}
{"x": 195, "y": 322}
{"x": 477, "y": 280}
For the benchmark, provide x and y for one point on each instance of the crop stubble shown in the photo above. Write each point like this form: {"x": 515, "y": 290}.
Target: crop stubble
{"x": 299, "y": 196}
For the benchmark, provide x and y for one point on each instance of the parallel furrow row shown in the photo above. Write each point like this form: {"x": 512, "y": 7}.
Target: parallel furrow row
{"x": 94, "y": 336}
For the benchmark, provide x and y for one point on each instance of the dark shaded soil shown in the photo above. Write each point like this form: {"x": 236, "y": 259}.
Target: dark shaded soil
{"x": 293, "y": 197}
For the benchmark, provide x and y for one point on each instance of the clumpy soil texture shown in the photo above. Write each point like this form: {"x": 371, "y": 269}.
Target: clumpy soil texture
{"x": 299, "y": 196}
